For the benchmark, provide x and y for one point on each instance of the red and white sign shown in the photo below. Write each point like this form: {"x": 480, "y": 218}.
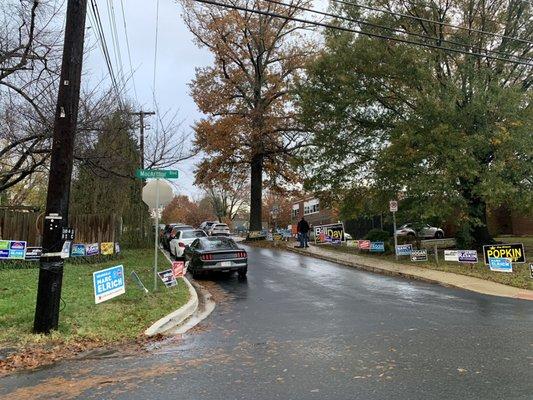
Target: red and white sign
{"x": 178, "y": 269}
{"x": 364, "y": 244}
{"x": 393, "y": 206}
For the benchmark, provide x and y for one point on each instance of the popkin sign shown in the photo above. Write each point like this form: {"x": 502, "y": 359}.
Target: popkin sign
{"x": 514, "y": 251}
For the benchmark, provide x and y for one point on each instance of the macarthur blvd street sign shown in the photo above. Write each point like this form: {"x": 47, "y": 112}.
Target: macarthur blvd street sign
{"x": 157, "y": 174}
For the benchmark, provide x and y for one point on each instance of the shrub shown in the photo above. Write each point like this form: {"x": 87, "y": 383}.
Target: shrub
{"x": 377, "y": 235}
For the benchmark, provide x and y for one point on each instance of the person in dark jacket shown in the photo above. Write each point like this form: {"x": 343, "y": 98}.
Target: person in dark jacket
{"x": 303, "y": 232}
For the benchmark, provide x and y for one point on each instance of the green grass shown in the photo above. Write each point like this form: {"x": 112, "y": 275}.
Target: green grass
{"x": 520, "y": 276}
{"x": 119, "y": 319}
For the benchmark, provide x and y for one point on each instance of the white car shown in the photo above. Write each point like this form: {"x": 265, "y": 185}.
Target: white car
{"x": 219, "y": 230}
{"x": 182, "y": 239}
{"x": 206, "y": 225}
{"x": 426, "y": 231}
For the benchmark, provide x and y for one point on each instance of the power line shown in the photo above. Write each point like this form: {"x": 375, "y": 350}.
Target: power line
{"x": 155, "y": 46}
{"x": 114, "y": 40}
{"x": 345, "y": 29}
{"x": 128, "y": 47}
{"x": 478, "y": 48}
{"x": 347, "y": 3}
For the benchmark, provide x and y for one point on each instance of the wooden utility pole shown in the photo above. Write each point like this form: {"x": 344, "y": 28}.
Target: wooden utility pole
{"x": 57, "y": 201}
{"x": 141, "y": 114}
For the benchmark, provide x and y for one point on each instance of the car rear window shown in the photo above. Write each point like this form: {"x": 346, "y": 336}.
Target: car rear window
{"x": 218, "y": 244}
{"x": 190, "y": 234}
{"x": 221, "y": 226}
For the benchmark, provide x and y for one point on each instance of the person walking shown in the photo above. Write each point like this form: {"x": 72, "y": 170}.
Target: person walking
{"x": 303, "y": 233}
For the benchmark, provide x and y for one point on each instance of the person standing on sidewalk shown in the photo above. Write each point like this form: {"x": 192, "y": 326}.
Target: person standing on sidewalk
{"x": 303, "y": 233}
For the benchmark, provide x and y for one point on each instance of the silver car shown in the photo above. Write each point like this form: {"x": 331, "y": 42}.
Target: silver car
{"x": 426, "y": 232}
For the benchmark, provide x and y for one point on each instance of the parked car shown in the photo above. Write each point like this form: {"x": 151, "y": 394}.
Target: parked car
{"x": 219, "y": 230}
{"x": 216, "y": 254}
{"x": 206, "y": 225}
{"x": 182, "y": 239}
{"x": 426, "y": 232}
{"x": 169, "y": 233}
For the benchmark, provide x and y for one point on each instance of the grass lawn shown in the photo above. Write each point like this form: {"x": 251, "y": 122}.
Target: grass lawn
{"x": 520, "y": 277}
{"x": 119, "y": 319}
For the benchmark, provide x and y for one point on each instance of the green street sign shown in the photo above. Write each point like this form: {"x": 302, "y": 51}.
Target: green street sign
{"x": 157, "y": 174}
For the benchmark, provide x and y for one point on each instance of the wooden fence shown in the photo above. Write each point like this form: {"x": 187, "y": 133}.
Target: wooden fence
{"x": 90, "y": 228}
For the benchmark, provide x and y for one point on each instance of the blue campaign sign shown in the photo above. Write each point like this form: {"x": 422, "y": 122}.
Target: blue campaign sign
{"x": 108, "y": 283}
{"x": 404, "y": 249}
{"x": 12, "y": 249}
{"x": 78, "y": 250}
{"x": 377, "y": 247}
{"x": 500, "y": 264}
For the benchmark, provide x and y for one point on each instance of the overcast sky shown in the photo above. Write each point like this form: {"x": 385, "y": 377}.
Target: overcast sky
{"x": 177, "y": 57}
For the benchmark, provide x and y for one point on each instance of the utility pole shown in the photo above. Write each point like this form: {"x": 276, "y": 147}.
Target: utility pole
{"x": 141, "y": 114}
{"x": 57, "y": 200}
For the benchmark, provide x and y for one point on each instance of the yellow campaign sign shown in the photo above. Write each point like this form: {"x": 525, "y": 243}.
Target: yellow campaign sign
{"x": 107, "y": 248}
{"x": 514, "y": 251}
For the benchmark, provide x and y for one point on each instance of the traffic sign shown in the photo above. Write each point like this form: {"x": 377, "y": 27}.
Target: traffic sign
{"x": 157, "y": 173}
{"x": 393, "y": 206}
{"x": 157, "y": 194}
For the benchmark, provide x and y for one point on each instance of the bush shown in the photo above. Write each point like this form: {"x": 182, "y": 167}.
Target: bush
{"x": 377, "y": 235}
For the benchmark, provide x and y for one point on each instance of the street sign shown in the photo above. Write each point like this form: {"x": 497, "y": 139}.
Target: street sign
{"x": 393, "y": 206}
{"x": 157, "y": 194}
{"x": 157, "y": 174}
{"x": 108, "y": 283}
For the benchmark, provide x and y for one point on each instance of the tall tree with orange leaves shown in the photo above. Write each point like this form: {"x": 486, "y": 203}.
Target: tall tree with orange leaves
{"x": 250, "y": 125}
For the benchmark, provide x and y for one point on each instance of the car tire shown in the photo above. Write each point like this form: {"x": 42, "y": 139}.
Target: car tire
{"x": 242, "y": 273}
{"x": 439, "y": 235}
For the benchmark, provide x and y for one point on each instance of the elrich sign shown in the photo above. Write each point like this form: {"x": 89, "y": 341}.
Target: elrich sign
{"x": 12, "y": 249}
{"x": 331, "y": 233}
{"x": 514, "y": 251}
{"x": 108, "y": 283}
{"x": 500, "y": 264}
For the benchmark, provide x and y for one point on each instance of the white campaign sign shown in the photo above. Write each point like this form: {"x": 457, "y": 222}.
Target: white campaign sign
{"x": 451, "y": 255}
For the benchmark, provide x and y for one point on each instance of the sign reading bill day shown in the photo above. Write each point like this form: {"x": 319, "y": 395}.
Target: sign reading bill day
{"x": 108, "y": 283}
{"x": 157, "y": 174}
{"x": 331, "y": 233}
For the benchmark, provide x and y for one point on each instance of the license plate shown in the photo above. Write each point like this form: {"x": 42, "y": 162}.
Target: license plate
{"x": 225, "y": 264}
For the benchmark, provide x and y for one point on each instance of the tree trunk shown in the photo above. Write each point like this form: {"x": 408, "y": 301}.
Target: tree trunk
{"x": 480, "y": 232}
{"x": 256, "y": 192}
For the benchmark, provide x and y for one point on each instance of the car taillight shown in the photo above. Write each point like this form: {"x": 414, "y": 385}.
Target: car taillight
{"x": 207, "y": 257}
{"x": 241, "y": 254}
{"x": 181, "y": 244}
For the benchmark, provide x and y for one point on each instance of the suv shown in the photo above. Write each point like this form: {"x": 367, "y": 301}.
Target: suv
{"x": 219, "y": 230}
{"x": 170, "y": 231}
{"x": 206, "y": 225}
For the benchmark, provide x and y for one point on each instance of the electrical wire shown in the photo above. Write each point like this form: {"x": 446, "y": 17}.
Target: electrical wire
{"x": 345, "y": 29}
{"x": 439, "y": 40}
{"x": 155, "y": 46}
{"x": 114, "y": 39}
{"x": 128, "y": 47}
{"x": 348, "y": 3}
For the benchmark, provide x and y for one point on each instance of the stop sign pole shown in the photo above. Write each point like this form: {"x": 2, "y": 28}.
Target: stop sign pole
{"x": 161, "y": 199}
{"x": 393, "y": 207}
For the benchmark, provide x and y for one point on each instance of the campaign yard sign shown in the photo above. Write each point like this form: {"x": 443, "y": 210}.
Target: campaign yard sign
{"x": 108, "y": 283}
{"x": 12, "y": 249}
{"x": 419, "y": 255}
{"x": 404, "y": 249}
{"x": 352, "y": 243}
{"x": 117, "y": 248}
{"x": 77, "y": 250}
{"x": 168, "y": 278}
{"x": 106, "y": 248}
{"x": 451, "y": 255}
{"x": 364, "y": 244}
{"x": 33, "y": 253}
{"x": 514, "y": 251}
{"x": 467, "y": 256}
{"x": 178, "y": 269}
{"x": 331, "y": 233}
{"x": 92, "y": 249}
{"x": 500, "y": 264}
{"x": 377, "y": 247}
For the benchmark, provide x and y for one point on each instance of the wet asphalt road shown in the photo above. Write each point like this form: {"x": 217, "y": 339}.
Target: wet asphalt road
{"x": 301, "y": 328}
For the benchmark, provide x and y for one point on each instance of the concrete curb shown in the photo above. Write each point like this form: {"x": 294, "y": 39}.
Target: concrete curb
{"x": 508, "y": 291}
{"x": 171, "y": 321}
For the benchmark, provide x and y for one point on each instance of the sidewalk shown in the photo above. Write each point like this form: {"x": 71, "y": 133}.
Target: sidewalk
{"x": 415, "y": 272}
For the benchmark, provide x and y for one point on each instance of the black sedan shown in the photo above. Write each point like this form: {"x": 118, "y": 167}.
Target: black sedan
{"x": 216, "y": 253}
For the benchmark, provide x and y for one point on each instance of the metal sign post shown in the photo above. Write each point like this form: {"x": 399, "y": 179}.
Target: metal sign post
{"x": 156, "y": 240}
{"x": 393, "y": 207}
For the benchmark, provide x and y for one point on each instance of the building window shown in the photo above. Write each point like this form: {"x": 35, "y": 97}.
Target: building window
{"x": 311, "y": 207}
{"x": 295, "y": 210}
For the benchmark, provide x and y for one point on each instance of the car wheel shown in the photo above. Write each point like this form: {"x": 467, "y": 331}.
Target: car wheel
{"x": 439, "y": 235}
{"x": 242, "y": 273}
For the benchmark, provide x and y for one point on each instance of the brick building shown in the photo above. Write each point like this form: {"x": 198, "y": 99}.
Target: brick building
{"x": 310, "y": 209}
